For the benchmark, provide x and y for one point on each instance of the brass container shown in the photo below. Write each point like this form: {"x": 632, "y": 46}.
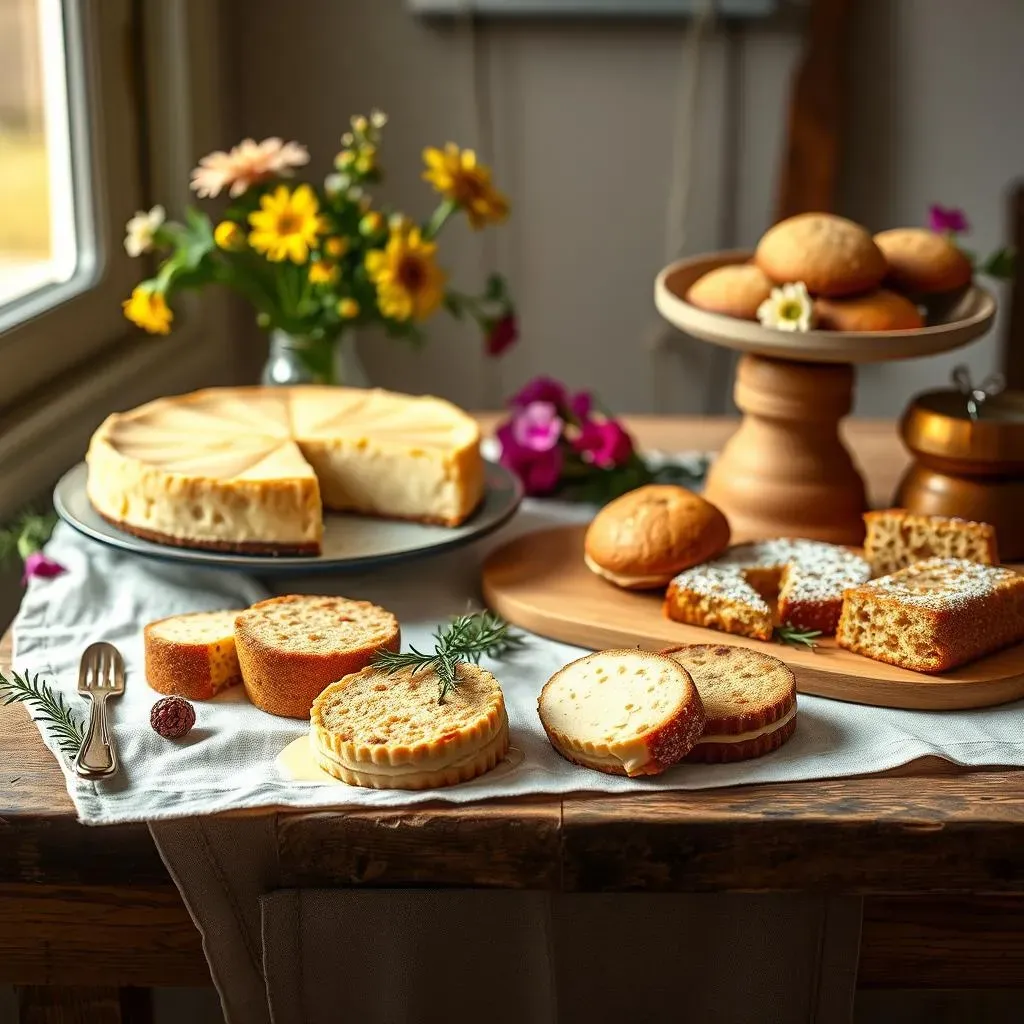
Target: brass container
{"x": 973, "y": 468}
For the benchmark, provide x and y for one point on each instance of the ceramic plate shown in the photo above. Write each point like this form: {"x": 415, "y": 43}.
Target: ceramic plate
{"x": 351, "y": 543}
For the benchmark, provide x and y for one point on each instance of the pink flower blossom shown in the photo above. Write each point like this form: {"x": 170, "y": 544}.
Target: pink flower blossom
{"x": 245, "y": 165}
{"x": 540, "y": 471}
{"x": 581, "y": 404}
{"x": 537, "y": 427}
{"x": 607, "y": 443}
{"x": 947, "y": 220}
{"x": 41, "y": 566}
{"x": 502, "y": 335}
{"x": 540, "y": 389}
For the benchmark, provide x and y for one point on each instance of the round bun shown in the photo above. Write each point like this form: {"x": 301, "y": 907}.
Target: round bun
{"x": 877, "y": 311}
{"x": 831, "y": 255}
{"x": 735, "y": 290}
{"x": 923, "y": 262}
{"x": 643, "y": 538}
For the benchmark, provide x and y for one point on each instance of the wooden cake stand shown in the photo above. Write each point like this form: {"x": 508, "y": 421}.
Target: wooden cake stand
{"x": 786, "y": 472}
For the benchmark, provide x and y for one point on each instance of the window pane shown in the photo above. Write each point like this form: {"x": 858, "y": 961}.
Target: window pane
{"x": 37, "y": 215}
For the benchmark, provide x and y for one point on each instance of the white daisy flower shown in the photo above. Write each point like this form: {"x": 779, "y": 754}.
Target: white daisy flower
{"x": 788, "y": 308}
{"x": 141, "y": 229}
{"x": 378, "y": 118}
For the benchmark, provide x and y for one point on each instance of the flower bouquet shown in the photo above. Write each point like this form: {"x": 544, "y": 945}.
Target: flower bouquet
{"x": 314, "y": 261}
{"x": 565, "y": 444}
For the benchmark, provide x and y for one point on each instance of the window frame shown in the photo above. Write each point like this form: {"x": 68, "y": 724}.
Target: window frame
{"x": 155, "y": 68}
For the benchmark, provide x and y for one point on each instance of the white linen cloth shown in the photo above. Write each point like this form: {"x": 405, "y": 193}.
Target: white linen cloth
{"x": 228, "y": 759}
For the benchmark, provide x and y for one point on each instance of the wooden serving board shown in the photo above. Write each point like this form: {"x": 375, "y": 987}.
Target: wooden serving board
{"x": 539, "y": 582}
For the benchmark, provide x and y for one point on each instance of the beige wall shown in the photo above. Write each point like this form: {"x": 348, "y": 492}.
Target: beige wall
{"x": 584, "y": 116}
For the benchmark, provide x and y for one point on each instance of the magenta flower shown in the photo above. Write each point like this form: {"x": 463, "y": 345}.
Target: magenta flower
{"x": 947, "y": 220}
{"x": 41, "y": 567}
{"x": 581, "y": 404}
{"x": 607, "y": 443}
{"x": 540, "y": 389}
{"x": 539, "y": 470}
{"x": 502, "y": 335}
{"x": 537, "y": 427}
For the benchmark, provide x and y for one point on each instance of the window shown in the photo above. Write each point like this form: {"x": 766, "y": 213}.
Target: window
{"x": 38, "y": 233}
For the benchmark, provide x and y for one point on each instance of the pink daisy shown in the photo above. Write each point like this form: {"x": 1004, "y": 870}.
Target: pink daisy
{"x": 248, "y": 163}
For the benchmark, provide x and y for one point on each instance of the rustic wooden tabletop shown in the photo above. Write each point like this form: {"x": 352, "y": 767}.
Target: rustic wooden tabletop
{"x": 938, "y": 851}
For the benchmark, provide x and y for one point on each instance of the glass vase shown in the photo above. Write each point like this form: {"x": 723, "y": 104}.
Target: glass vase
{"x": 294, "y": 359}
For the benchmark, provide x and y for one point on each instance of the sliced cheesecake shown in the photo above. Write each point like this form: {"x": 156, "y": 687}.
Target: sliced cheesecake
{"x": 250, "y": 469}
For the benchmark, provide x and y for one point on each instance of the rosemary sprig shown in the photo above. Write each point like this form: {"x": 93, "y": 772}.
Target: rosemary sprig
{"x": 795, "y": 636}
{"x": 466, "y": 638}
{"x": 50, "y": 706}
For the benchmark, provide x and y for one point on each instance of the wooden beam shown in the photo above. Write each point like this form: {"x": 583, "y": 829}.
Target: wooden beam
{"x": 1013, "y": 342}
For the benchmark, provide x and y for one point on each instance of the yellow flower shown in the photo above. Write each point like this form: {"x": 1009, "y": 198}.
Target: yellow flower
{"x": 359, "y": 124}
{"x": 346, "y": 158}
{"x": 322, "y": 272}
{"x": 287, "y": 224}
{"x": 410, "y": 284}
{"x": 348, "y": 309}
{"x": 229, "y": 236}
{"x": 366, "y": 161}
{"x": 458, "y": 177}
{"x": 372, "y": 223}
{"x": 336, "y": 247}
{"x": 148, "y": 309}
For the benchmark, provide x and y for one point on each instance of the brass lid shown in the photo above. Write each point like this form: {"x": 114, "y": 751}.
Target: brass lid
{"x": 937, "y": 427}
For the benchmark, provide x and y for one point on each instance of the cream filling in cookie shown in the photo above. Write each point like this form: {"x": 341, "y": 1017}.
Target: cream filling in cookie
{"x": 753, "y": 734}
{"x": 626, "y": 581}
{"x": 371, "y": 769}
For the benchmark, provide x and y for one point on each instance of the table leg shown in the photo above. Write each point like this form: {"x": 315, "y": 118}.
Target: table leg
{"x": 60, "y": 1004}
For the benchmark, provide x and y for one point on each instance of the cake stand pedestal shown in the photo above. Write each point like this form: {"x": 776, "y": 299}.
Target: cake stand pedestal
{"x": 786, "y": 472}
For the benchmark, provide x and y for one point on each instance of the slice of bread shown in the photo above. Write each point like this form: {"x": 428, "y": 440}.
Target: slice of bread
{"x": 934, "y": 615}
{"x": 388, "y": 731}
{"x": 192, "y": 655}
{"x": 749, "y": 700}
{"x": 624, "y": 712}
{"x": 897, "y": 538}
{"x": 290, "y": 648}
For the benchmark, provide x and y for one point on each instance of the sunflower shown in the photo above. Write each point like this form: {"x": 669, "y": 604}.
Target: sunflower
{"x": 287, "y": 224}
{"x": 458, "y": 177}
{"x": 410, "y": 284}
{"x": 148, "y": 309}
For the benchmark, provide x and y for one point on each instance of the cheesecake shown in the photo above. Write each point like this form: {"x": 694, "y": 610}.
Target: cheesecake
{"x": 252, "y": 469}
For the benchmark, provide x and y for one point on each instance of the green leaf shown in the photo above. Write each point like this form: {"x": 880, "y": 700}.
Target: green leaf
{"x": 50, "y": 709}
{"x": 1000, "y": 265}
{"x": 453, "y": 303}
{"x": 794, "y": 636}
{"x": 495, "y": 289}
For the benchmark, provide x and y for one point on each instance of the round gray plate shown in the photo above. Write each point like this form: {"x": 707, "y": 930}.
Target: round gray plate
{"x": 350, "y": 542}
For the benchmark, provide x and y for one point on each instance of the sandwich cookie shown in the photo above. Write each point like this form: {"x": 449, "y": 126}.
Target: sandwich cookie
{"x": 386, "y": 730}
{"x": 623, "y": 712}
{"x": 749, "y": 701}
{"x": 642, "y": 539}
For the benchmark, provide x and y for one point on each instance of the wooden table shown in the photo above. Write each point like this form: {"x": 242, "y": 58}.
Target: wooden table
{"x": 939, "y": 853}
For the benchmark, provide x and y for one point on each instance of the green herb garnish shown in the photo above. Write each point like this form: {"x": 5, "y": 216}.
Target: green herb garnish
{"x": 796, "y": 637}
{"x": 466, "y": 638}
{"x": 50, "y": 706}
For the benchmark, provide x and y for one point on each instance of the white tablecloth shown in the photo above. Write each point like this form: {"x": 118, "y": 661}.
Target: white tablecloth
{"x": 228, "y": 759}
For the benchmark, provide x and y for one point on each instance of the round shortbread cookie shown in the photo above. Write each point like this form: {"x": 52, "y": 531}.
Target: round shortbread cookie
{"x": 923, "y": 262}
{"x": 643, "y": 538}
{"x": 622, "y": 712}
{"x": 386, "y": 730}
{"x": 749, "y": 700}
{"x": 881, "y": 310}
{"x": 832, "y": 255}
{"x": 735, "y": 290}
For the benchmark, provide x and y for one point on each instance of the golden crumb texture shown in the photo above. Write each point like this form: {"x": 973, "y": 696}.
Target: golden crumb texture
{"x": 388, "y": 730}
{"x": 934, "y": 615}
{"x": 290, "y": 648}
{"x": 896, "y": 538}
{"x": 192, "y": 655}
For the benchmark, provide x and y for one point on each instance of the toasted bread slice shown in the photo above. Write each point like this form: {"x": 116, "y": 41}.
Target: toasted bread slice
{"x": 290, "y": 648}
{"x": 934, "y": 615}
{"x": 624, "y": 712}
{"x": 749, "y": 700}
{"x": 897, "y": 538}
{"x": 192, "y": 655}
{"x": 388, "y": 731}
